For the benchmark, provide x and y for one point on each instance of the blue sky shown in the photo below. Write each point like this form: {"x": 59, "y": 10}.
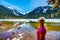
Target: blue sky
{"x": 24, "y": 5}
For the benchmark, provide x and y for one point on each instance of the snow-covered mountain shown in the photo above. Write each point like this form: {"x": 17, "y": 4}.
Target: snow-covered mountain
{"x": 43, "y": 11}
{"x": 9, "y": 10}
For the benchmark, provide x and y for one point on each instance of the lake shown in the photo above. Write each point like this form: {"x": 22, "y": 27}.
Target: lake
{"x": 28, "y": 33}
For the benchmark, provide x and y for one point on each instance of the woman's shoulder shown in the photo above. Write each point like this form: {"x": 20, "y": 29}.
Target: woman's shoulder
{"x": 45, "y": 26}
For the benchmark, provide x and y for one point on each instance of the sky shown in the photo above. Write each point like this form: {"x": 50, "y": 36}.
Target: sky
{"x": 23, "y": 5}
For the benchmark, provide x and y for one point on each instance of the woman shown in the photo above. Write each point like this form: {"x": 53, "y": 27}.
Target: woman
{"x": 41, "y": 32}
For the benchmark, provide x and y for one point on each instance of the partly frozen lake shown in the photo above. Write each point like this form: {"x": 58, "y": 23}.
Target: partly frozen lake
{"x": 27, "y": 32}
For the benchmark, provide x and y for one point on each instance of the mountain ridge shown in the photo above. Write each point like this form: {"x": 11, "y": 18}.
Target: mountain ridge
{"x": 42, "y": 11}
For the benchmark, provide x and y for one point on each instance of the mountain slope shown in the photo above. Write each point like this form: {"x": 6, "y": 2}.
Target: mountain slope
{"x": 42, "y": 11}
{"x": 6, "y": 12}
